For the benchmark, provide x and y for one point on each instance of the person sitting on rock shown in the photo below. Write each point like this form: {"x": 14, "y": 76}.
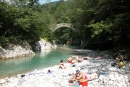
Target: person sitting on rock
{"x": 76, "y": 59}
{"x": 73, "y": 83}
{"x": 69, "y": 60}
{"x": 62, "y": 65}
{"x": 85, "y": 58}
{"x": 119, "y": 58}
{"x": 81, "y": 78}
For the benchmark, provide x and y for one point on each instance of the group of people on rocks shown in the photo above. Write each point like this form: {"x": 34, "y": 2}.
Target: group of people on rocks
{"x": 72, "y": 60}
{"x": 81, "y": 79}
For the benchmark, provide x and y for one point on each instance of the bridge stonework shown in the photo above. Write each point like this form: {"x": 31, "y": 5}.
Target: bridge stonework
{"x": 63, "y": 25}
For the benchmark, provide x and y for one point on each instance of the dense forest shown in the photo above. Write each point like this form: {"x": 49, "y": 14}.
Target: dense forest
{"x": 100, "y": 24}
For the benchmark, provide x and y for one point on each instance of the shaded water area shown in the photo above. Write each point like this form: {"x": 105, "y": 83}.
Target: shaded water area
{"x": 41, "y": 60}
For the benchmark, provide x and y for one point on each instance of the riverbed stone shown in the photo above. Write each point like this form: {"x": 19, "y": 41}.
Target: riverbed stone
{"x": 13, "y": 51}
{"x": 44, "y": 45}
{"x": 109, "y": 77}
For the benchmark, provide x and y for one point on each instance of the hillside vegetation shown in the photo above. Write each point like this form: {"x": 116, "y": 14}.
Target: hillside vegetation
{"x": 101, "y": 24}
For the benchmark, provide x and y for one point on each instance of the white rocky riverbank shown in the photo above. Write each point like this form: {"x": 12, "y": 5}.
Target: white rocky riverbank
{"x": 24, "y": 49}
{"x": 111, "y": 77}
{"x": 13, "y": 51}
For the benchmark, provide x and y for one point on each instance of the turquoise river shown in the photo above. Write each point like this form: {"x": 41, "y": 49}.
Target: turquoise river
{"x": 41, "y": 60}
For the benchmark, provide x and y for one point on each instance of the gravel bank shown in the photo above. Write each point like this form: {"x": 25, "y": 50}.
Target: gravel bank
{"x": 112, "y": 77}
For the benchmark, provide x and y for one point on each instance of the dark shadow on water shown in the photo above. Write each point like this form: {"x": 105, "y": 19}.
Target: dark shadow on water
{"x": 78, "y": 53}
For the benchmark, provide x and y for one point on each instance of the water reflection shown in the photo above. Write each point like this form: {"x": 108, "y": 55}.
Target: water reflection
{"x": 43, "y": 53}
{"x": 41, "y": 60}
{"x": 17, "y": 60}
{"x": 13, "y": 66}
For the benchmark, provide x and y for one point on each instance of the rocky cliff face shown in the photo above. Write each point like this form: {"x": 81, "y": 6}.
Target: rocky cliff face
{"x": 24, "y": 49}
{"x": 44, "y": 45}
{"x": 13, "y": 51}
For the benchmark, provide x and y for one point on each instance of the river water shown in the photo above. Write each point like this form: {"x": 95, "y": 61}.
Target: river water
{"x": 41, "y": 60}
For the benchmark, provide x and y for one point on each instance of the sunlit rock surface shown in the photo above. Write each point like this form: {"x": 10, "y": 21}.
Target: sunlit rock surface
{"x": 44, "y": 45}
{"x": 13, "y": 51}
{"x": 110, "y": 77}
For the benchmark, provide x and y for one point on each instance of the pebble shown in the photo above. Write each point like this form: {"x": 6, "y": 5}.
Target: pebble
{"x": 60, "y": 77}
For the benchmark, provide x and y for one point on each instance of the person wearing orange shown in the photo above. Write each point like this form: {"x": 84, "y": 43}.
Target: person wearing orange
{"x": 77, "y": 59}
{"x": 81, "y": 78}
{"x": 69, "y": 60}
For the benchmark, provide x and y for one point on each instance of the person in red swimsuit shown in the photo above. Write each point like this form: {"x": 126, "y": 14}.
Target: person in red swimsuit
{"x": 69, "y": 60}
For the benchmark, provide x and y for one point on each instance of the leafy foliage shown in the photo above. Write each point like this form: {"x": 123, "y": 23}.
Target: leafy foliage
{"x": 18, "y": 23}
{"x": 97, "y": 21}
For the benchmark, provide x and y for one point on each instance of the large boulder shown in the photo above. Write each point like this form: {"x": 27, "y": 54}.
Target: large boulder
{"x": 13, "y": 51}
{"x": 44, "y": 45}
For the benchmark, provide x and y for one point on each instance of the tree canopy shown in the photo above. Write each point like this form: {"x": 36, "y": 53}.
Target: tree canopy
{"x": 98, "y": 22}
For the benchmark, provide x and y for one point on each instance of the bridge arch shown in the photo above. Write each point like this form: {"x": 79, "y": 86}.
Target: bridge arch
{"x": 63, "y": 25}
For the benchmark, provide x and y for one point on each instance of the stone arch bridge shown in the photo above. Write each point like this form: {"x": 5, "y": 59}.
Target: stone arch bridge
{"x": 63, "y": 25}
